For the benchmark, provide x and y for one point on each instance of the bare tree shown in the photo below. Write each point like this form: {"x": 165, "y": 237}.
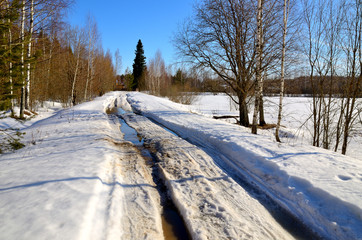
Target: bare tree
{"x": 221, "y": 37}
{"x": 285, "y": 25}
{"x": 258, "y": 71}
{"x": 333, "y": 23}
{"x": 157, "y": 77}
{"x": 118, "y": 62}
{"x": 76, "y": 42}
{"x": 31, "y": 30}
{"x": 105, "y": 74}
{"x": 92, "y": 41}
{"x": 353, "y": 52}
{"x": 36, "y": 17}
{"x": 334, "y": 32}
{"x": 313, "y": 12}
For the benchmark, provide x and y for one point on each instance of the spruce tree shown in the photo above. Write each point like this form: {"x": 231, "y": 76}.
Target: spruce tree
{"x": 10, "y": 79}
{"x": 139, "y": 66}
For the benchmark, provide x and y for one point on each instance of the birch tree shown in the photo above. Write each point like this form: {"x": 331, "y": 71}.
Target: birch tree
{"x": 118, "y": 60}
{"x": 76, "y": 43}
{"x": 92, "y": 43}
{"x": 222, "y": 38}
{"x": 258, "y": 72}
{"x": 285, "y": 25}
{"x": 27, "y": 89}
{"x": 44, "y": 20}
{"x": 156, "y": 74}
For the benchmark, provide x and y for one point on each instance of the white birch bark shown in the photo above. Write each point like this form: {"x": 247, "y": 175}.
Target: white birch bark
{"x": 89, "y": 65}
{"x": 90, "y": 55}
{"x": 258, "y": 67}
{"x": 285, "y": 21}
{"x": 75, "y": 73}
{"x": 27, "y": 91}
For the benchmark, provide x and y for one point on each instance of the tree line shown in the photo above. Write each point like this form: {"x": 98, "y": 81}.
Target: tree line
{"x": 42, "y": 58}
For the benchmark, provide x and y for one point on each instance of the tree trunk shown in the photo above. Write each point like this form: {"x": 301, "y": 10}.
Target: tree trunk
{"x": 49, "y": 68}
{"x": 91, "y": 37}
{"x": 355, "y": 79}
{"x": 261, "y": 108}
{"x": 243, "y": 112}
{"x": 346, "y": 126}
{"x": 258, "y": 68}
{"x": 22, "y": 35}
{"x": 261, "y": 101}
{"x": 73, "y": 96}
{"x": 10, "y": 66}
{"x": 27, "y": 91}
{"x": 285, "y": 20}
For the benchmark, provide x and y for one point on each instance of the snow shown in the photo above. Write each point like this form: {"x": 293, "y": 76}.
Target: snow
{"x": 68, "y": 186}
{"x": 296, "y": 121}
{"x": 79, "y": 178}
{"x": 321, "y": 187}
{"x": 212, "y": 204}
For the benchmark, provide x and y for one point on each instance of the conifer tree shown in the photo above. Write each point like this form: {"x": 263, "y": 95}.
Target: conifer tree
{"x": 139, "y": 66}
{"x": 10, "y": 80}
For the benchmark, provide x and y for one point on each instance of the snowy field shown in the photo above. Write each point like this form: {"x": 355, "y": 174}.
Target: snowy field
{"x": 296, "y": 128}
{"x": 78, "y": 177}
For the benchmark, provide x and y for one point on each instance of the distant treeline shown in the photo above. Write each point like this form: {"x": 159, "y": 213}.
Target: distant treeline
{"x": 302, "y": 86}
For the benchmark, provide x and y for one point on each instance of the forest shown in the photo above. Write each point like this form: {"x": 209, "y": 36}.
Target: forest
{"x": 45, "y": 59}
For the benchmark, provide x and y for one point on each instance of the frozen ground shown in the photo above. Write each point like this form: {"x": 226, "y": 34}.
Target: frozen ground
{"x": 79, "y": 178}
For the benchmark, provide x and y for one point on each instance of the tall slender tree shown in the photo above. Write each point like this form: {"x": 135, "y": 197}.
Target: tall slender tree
{"x": 139, "y": 66}
{"x": 22, "y": 35}
{"x": 258, "y": 71}
{"x": 353, "y": 52}
{"x": 93, "y": 37}
{"x": 28, "y": 72}
{"x": 285, "y": 24}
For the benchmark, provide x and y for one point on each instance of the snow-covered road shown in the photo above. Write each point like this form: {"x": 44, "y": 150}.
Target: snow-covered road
{"x": 319, "y": 187}
{"x": 81, "y": 177}
{"x": 211, "y": 203}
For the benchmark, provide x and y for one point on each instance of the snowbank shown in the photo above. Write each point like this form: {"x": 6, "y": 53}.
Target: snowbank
{"x": 320, "y": 187}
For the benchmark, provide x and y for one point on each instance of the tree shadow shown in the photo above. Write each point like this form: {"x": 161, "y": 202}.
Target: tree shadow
{"x": 111, "y": 184}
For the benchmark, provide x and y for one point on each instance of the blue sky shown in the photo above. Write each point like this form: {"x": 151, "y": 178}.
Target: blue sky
{"x": 122, "y": 22}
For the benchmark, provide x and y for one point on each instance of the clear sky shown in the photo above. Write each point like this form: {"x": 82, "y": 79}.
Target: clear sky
{"x": 122, "y": 22}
